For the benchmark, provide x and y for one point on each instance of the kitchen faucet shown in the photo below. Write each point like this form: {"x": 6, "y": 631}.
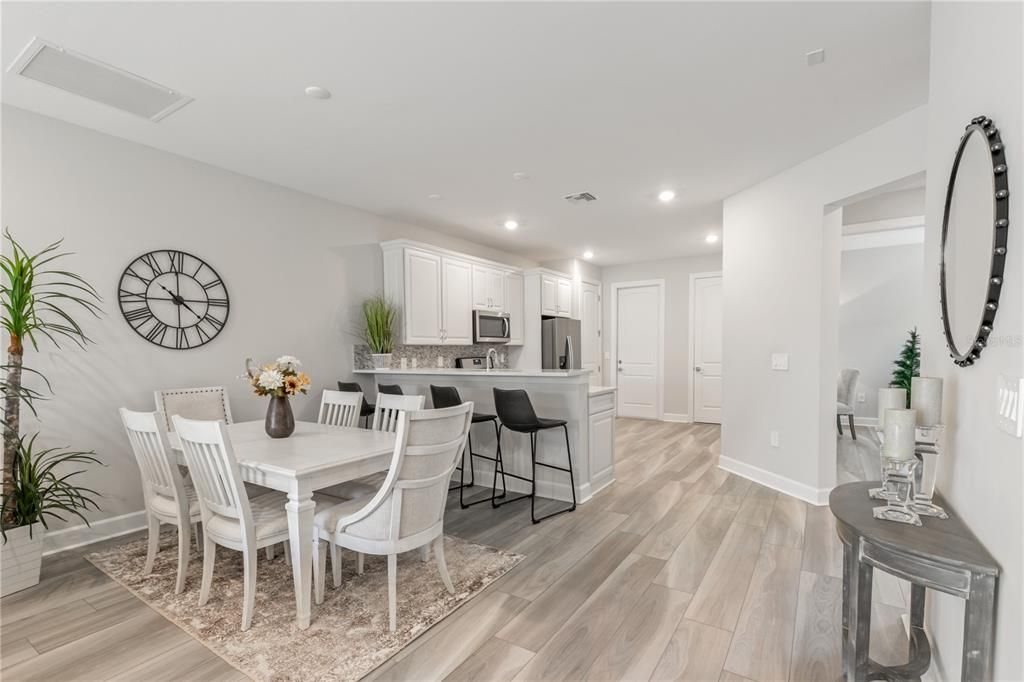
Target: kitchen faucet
{"x": 492, "y": 364}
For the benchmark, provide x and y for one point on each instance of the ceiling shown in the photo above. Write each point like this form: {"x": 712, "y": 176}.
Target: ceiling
{"x": 618, "y": 99}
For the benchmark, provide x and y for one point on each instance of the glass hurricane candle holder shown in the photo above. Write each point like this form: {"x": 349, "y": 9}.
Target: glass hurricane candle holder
{"x": 880, "y": 492}
{"x": 898, "y": 482}
{"x": 929, "y": 445}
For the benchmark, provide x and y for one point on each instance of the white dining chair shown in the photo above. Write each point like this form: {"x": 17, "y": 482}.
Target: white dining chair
{"x": 389, "y": 407}
{"x": 340, "y": 408}
{"x": 407, "y": 513}
{"x": 208, "y": 403}
{"x": 230, "y": 518}
{"x": 169, "y": 498}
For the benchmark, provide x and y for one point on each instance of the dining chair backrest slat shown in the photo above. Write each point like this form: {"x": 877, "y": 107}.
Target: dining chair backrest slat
{"x": 340, "y": 408}
{"x": 148, "y": 438}
{"x": 214, "y": 469}
{"x": 389, "y": 408}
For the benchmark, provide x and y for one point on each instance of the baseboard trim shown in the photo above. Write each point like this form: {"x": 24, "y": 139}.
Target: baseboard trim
{"x": 866, "y": 421}
{"x": 676, "y": 417}
{"x": 81, "y": 535}
{"x": 815, "y": 496}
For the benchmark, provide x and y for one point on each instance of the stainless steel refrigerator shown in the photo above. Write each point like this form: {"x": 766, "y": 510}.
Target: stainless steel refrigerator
{"x": 560, "y": 343}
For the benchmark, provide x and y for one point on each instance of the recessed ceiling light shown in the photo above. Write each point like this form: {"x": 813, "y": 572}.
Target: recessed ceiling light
{"x": 519, "y": 175}
{"x": 711, "y": 238}
{"x": 435, "y": 197}
{"x": 815, "y": 57}
{"x": 666, "y": 195}
{"x": 588, "y": 254}
{"x": 510, "y": 224}
{"x": 316, "y": 92}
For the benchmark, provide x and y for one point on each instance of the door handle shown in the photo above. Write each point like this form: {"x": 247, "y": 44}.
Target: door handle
{"x": 696, "y": 369}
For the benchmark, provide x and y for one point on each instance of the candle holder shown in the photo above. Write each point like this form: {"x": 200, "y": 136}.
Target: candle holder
{"x": 880, "y": 493}
{"x": 898, "y": 482}
{"x": 930, "y": 442}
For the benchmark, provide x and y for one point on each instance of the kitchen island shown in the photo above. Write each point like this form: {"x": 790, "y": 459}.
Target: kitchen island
{"x": 556, "y": 394}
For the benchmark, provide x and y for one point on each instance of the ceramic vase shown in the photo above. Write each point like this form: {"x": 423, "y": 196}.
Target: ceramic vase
{"x": 280, "y": 422}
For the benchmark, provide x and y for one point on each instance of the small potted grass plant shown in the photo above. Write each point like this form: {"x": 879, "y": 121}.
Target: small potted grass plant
{"x": 379, "y": 316}
{"x": 37, "y": 302}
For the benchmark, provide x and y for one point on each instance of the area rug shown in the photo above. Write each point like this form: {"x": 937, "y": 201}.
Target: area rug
{"x": 349, "y": 634}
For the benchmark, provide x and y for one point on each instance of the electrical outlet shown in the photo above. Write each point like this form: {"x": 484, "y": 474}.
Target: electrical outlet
{"x": 1010, "y": 402}
{"x": 861, "y": 397}
{"x": 774, "y": 439}
{"x": 780, "y": 362}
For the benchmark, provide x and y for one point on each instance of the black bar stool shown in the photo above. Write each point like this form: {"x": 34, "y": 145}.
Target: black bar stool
{"x": 366, "y": 411}
{"x": 389, "y": 389}
{"x": 516, "y": 414}
{"x": 448, "y": 396}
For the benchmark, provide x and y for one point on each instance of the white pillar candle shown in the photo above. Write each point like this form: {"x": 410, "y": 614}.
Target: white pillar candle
{"x": 890, "y": 399}
{"x": 899, "y": 434}
{"x": 926, "y": 398}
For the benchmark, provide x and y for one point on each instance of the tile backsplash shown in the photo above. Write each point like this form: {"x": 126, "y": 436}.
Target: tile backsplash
{"x": 426, "y": 356}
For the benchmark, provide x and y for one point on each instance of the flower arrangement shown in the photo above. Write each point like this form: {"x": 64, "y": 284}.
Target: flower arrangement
{"x": 279, "y": 379}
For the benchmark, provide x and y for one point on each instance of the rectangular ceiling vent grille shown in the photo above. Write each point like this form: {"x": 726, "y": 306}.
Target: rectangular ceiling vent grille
{"x": 580, "y": 198}
{"x": 87, "y": 77}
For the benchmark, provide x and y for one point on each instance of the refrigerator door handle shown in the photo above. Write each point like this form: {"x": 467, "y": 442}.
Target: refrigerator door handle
{"x": 572, "y": 362}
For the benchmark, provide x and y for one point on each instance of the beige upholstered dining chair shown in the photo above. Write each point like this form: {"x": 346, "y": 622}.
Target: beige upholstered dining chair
{"x": 169, "y": 497}
{"x": 340, "y": 408}
{"x": 208, "y": 403}
{"x": 407, "y": 512}
{"x": 230, "y": 518}
{"x": 846, "y": 395}
{"x": 389, "y": 407}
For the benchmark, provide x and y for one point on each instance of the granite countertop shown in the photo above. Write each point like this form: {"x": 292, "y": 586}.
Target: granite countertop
{"x": 503, "y": 373}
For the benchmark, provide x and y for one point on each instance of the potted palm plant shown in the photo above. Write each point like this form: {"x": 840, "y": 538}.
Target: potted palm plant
{"x": 379, "y": 316}
{"x": 37, "y": 300}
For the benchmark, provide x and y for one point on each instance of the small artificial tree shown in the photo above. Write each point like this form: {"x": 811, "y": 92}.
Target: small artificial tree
{"x": 908, "y": 364}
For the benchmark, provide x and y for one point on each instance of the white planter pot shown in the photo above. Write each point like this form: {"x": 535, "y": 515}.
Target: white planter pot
{"x": 20, "y": 558}
{"x": 381, "y": 360}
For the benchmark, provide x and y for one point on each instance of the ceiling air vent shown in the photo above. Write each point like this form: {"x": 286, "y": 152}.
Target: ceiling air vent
{"x": 84, "y": 76}
{"x": 580, "y": 198}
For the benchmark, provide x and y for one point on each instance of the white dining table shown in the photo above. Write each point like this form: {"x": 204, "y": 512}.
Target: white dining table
{"x": 314, "y": 457}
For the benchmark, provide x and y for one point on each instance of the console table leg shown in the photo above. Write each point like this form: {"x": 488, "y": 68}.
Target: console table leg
{"x": 857, "y": 661}
{"x": 979, "y": 628}
{"x": 849, "y": 570}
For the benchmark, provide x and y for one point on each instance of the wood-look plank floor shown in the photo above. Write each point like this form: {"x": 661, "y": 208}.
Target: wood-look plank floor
{"x": 678, "y": 570}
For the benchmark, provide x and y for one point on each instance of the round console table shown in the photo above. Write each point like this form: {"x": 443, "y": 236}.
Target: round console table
{"x": 943, "y": 555}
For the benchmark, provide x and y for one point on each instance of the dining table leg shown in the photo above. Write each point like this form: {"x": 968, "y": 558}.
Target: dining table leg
{"x": 300, "y": 532}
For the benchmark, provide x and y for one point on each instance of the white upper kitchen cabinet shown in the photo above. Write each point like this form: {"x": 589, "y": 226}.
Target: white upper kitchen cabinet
{"x": 421, "y": 312}
{"x": 488, "y": 288}
{"x": 563, "y": 307}
{"x": 514, "y": 307}
{"x": 548, "y": 295}
{"x": 457, "y": 299}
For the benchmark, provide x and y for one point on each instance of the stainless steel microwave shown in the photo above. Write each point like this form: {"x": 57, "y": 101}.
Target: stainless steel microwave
{"x": 491, "y": 327}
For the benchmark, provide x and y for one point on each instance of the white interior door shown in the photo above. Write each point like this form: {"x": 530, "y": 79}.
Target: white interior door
{"x": 707, "y": 349}
{"x": 590, "y": 323}
{"x": 638, "y": 340}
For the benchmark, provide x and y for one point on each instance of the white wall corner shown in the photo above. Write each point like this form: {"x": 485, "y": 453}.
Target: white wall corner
{"x": 815, "y": 496}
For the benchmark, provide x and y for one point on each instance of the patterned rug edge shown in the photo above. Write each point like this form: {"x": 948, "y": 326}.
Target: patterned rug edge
{"x": 221, "y": 653}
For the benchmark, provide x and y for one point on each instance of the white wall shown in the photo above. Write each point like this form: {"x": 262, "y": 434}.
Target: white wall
{"x": 778, "y": 275}
{"x": 880, "y": 294}
{"x": 296, "y": 268}
{"x": 976, "y": 68}
{"x": 897, "y": 204}
{"x": 676, "y": 273}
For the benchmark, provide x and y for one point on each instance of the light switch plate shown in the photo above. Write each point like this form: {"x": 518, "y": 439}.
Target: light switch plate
{"x": 1010, "y": 403}
{"x": 780, "y": 362}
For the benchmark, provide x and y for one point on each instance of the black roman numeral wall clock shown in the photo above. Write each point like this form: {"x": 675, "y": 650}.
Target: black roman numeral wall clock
{"x": 173, "y": 299}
